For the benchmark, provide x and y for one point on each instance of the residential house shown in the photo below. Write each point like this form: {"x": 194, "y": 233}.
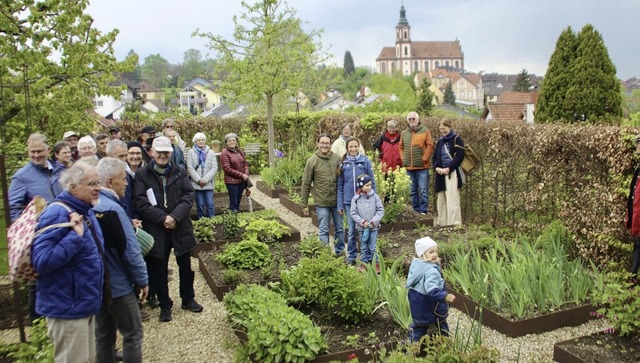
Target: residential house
{"x": 495, "y": 84}
{"x": 438, "y": 95}
{"x": 198, "y": 95}
{"x": 147, "y": 91}
{"x": 409, "y": 56}
{"x": 154, "y": 105}
{"x": 466, "y": 86}
{"x": 512, "y": 106}
{"x": 111, "y": 107}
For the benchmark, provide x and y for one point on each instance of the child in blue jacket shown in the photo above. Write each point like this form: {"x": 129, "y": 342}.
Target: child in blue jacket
{"x": 428, "y": 296}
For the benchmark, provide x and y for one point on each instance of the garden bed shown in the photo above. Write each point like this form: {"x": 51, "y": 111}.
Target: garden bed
{"x": 293, "y": 206}
{"x": 516, "y": 328}
{"x": 220, "y": 239}
{"x": 599, "y": 347}
{"x": 272, "y": 193}
{"x": 221, "y": 203}
{"x": 407, "y": 219}
{"x": 213, "y": 270}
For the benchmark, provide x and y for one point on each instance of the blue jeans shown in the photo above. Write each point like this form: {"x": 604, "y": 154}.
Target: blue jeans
{"x": 204, "y": 203}
{"x": 122, "y": 315}
{"x": 419, "y": 189}
{"x": 235, "y": 195}
{"x": 368, "y": 247}
{"x": 352, "y": 244}
{"x": 324, "y": 213}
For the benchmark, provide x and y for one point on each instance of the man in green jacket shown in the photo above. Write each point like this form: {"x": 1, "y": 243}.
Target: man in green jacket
{"x": 321, "y": 170}
{"x": 416, "y": 147}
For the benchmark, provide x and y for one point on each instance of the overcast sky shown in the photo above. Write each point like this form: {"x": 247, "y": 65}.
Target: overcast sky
{"x": 496, "y": 35}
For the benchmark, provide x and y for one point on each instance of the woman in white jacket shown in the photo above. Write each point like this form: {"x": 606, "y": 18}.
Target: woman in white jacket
{"x": 202, "y": 167}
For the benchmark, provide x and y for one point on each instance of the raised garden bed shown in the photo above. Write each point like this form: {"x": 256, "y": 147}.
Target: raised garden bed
{"x": 220, "y": 239}
{"x": 599, "y": 347}
{"x": 221, "y": 203}
{"x": 516, "y": 328}
{"x": 408, "y": 219}
{"x": 213, "y": 270}
{"x": 272, "y": 193}
{"x": 293, "y": 206}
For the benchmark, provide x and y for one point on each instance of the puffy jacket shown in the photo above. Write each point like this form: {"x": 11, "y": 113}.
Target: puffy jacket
{"x": 416, "y": 147}
{"x": 321, "y": 170}
{"x": 367, "y": 207}
{"x": 388, "y": 146}
{"x": 349, "y": 171}
{"x": 427, "y": 292}
{"x": 633, "y": 205}
{"x": 175, "y": 199}
{"x": 122, "y": 251}
{"x": 206, "y": 172}
{"x": 457, "y": 155}
{"x": 32, "y": 180}
{"x": 71, "y": 274}
{"x": 234, "y": 164}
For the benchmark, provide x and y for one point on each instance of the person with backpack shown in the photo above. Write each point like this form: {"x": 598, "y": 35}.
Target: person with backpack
{"x": 447, "y": 157}
{"x": 71, "y": 285}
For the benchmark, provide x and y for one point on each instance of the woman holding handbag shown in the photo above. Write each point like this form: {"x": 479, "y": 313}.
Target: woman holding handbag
{"x": 447, "y": 157}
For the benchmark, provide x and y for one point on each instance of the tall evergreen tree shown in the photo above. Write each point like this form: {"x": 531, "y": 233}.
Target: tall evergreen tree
{"x": 595, "y": 90}
{"x": 550, "y": 105}
{"x": 425, "y": 98}
{"x": 449, "y": 96}
{"x": 523, "y": 82}
{"x": 349, "y": 67}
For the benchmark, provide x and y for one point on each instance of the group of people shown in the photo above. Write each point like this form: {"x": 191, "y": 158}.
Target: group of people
{"x": 93, "y": 277}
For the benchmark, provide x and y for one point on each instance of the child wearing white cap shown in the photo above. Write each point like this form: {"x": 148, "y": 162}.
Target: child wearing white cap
{"x": 428, "y": 296}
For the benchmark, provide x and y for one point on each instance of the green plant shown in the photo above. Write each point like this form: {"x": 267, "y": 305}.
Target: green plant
{"x": 269, "y": 177}
{"x": 391, "y": 213}
{"x": 230, "y": 224}
{"x": 275, "y": 332}
{"x": 327, "y": 282}
{"x": 38, "y": 349}
{"x": 311, "y": 246}
{"x": 246, "y": 254}
{"x": 203, "y": 229}
{"x": 390, "y": 289}
{"x": 266, "y": 230}
{"x": 617, "y": 299}
{"x": 276, "y": 264}
{"x": 233, "y": 277}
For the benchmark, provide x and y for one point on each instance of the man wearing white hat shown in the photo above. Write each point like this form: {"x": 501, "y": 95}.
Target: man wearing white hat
{"x": 428, "y": 296}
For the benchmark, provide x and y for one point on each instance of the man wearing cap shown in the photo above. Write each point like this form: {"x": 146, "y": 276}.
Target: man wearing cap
{"x": 145, "y": 133}
{"x": 71, "y": 137}
{"x": 633, "y": 214}
{"x": 163, "y": 197}
{"x": 416, "y": 147}
{"x": 115, "y": 133}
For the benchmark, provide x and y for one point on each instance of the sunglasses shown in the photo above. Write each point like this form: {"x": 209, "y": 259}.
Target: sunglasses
{"x": 168, "y": 127}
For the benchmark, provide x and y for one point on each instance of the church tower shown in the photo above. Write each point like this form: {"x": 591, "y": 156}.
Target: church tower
{"x": 403, "y": 36}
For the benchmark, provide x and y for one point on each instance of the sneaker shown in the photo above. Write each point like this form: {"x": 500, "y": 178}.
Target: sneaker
{"x": 165, "y": 314}
{"x": 192, "y": 306}
{"x": 144, "y": 316}
{"x": 153, "y": 302}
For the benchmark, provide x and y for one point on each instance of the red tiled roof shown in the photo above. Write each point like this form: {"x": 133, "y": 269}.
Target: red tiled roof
{"x": 506, "y": 111}
{"x": 518, "y": 97}
{"x": 426, "y": 50}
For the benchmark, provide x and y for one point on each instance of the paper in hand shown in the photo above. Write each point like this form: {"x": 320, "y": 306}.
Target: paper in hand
{"x": 151, "y": 197}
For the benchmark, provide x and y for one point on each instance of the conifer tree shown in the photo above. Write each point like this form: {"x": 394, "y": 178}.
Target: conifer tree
{"x": 449, "y": 96}
{"x": 349, "y": 67}
{"x": 523, "y": 82}
{"x": 425, "y": 98}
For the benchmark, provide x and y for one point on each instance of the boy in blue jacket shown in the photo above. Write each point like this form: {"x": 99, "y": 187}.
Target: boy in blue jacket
{"x": 428, "y": 296}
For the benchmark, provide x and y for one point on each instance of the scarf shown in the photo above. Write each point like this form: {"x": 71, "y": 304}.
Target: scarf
{"x": 160, "y": 170}
{"x": 448, "y": 136}
{"x": 202, "y": 154}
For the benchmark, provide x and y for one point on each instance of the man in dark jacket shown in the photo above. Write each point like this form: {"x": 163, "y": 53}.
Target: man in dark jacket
{"x": 163, "y": 196}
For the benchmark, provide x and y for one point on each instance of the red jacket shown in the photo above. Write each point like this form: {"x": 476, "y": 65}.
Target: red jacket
{"x": 234, "y": 164}
{"x": 388, "y": 146}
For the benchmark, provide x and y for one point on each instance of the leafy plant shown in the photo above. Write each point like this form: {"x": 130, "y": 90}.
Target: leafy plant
{"x": 203, "y": 229}
{"x": 38, "y": 349}
{"x": 617, "y": 299}
{"x": 311, "y": 246}
{"x": 390, "y": 289}
{"x": 275, "y": 332}
{"x": 276, "y": 264}
{"x": 233, "y": 277}
{"x": 269, "y": 177}
{"x": 246, "y": 254}
{"x": 391, "y": 213}
{"x": 267, "y": 231}
{"x": 230, "y": 224}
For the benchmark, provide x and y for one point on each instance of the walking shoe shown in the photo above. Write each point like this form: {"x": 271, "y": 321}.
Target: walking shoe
{"x": 153, "y": 302}
{"x": 165, "y": 314}
{"x": 119, "y": 356}
{"x": 192, "y": 306}
{"x": 144, "y": 316}
{"x": 351, "y": 262}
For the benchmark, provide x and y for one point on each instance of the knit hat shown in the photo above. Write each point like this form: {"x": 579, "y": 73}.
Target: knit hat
{"x": 131, "y": 144}
{"x": 362, "y": 180}
{"x": 424, "y": 244}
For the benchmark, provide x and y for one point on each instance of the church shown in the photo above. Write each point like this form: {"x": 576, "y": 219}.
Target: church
{"x": 418, "y": 56}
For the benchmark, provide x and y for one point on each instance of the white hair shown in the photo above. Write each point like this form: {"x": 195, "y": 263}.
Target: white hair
{"x": 87, "y": 140}
{"x": 113, "y": 145}
{"x": 109, "y": 167}
{"x": 199, "y": 136}
{"x": 74, "y": 174}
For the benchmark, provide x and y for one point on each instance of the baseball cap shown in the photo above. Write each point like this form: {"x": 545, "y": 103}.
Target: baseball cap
{"x": 114, "y": 129}
{"x": 69, "y": 134}
{"x": 162, "y": 144}
{"x": 148, "y": 130}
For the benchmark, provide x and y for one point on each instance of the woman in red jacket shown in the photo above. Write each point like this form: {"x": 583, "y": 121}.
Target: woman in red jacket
{"x": 236, "y": 170}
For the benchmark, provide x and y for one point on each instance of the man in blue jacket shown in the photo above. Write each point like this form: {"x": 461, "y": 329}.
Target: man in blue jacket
{"x": 127, "y": 270}
{"x": 70, "y": 267}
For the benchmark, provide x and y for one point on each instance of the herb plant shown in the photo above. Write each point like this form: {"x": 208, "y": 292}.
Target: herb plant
{"x": 267, "y": 231}
{"x": 618, "y": 302}
{"x": 246, "y": 254}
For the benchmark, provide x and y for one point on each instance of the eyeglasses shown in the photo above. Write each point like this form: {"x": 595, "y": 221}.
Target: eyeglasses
{"x": 411, "y": 118}
{"x": 168, "y": 127}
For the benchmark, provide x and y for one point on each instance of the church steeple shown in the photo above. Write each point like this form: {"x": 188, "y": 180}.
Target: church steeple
{"x": 403, "y": 36}
{"x": 403, "y": 17}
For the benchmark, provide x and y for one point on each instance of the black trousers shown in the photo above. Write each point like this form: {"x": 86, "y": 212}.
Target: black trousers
{"x": 158, "y": 276}
{"x": 636, "y": 257}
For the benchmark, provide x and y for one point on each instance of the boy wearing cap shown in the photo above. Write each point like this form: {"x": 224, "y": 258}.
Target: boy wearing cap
{"x": 366, "y": 211}
{"x": 428, "y": 296}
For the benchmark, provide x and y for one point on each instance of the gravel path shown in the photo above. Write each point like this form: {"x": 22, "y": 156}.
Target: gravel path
{"x": 208, "y": 337}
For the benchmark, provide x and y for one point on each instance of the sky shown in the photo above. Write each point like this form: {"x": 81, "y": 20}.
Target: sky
{"x": 503, "y": 36}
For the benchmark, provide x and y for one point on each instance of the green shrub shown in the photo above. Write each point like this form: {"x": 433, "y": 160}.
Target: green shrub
{"x": 329, "y": 283}
{"x": 275, "y": 332}
{"x": 203, "y": 229}
{"x": 38, "y": 349}
{"x": 233, "y": 277}
{"x": 230, "y": 224}
{"x": 246, "y": 254}
{"x": 618, "y": 302}
{"x": 267, "y": 231}
{"x": 311, "y": 246}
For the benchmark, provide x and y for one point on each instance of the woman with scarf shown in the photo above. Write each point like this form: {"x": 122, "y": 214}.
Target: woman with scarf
{"x": 447, "y": 157}
{"x": 202, "y": 168}
{"x": 353, "y": 164}
{"x": 236, "y": 170}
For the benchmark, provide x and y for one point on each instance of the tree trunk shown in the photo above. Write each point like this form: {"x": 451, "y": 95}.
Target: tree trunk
{"x": 272, "y": 158}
